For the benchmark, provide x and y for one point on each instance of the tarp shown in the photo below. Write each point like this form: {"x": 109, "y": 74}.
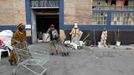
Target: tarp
{"x": 6, "y": 36}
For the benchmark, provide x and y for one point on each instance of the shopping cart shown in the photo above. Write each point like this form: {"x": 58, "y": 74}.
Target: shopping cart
{"x": 63, "y": 50}
{"x": 19, "y": 53}
{"x": 37, "y": 65}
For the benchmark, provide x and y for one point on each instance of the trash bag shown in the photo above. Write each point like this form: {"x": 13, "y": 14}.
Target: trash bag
{"x": 87, "y": 42}
{"x": 13, "y": 58}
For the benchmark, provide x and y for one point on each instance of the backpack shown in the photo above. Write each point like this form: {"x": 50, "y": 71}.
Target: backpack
{"x": 55, "y": 34}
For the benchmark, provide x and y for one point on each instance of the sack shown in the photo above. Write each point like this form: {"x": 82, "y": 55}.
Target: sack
{"x": 46, "y": 37}
{"x": 13, "y": 58}
{"x": 55, "y": 34}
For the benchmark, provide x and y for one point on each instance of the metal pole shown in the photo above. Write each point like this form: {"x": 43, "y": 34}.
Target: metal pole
{"x": 118, "y": 35}
{"x": 94, "y": 37}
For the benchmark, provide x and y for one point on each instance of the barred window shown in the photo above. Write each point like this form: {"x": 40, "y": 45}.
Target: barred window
{"x": 113, "y": 4}
{"x": 99, "y": 18}
{"x": 122, "y": 18}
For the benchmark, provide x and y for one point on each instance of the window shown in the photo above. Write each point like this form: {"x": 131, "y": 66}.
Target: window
{"x": 126, "y": 3}
{"x": 100, "y": 18}
{"x": 122, "y": 18}
{"x": 106, "y": 1}
{"x": 113, "y": 2}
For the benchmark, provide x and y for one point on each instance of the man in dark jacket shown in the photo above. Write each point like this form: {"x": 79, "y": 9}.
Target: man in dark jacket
{"x": 53, "y": 39}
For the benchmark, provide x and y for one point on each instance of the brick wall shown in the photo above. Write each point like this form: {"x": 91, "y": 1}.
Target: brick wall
{"x": 12, "y": 12}
{"x": 79, "y": 11}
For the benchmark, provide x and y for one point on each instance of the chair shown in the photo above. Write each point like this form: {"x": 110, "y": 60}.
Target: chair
{"x": 5, "y": 41}
{"x": 4, "y": 50}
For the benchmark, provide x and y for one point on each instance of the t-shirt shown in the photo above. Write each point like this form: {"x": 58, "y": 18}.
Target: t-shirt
{"x": 53, "y": 34}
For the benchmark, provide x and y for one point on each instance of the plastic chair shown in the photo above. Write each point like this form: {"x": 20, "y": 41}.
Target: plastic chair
{"x": 5, "y": 41}
{"x": 4, "y": 50}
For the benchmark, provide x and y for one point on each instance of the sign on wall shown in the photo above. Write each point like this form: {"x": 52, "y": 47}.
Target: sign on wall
{"x": 28, "y": 26}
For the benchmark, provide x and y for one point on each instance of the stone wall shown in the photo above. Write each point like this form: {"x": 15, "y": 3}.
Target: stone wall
{"x": 79, "y": 11}
{"x": 12, "y": 12}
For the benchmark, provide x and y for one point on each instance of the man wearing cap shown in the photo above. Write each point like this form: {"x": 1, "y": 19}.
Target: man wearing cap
{"x": 54, "y": 36}
{"x": 75, "y": 34}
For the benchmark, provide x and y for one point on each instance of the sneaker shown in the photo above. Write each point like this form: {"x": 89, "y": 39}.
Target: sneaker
{"x": 51, "y": 53}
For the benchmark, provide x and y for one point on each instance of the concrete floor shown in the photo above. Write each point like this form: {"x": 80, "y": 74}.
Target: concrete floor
{"x": 87, "y": 61}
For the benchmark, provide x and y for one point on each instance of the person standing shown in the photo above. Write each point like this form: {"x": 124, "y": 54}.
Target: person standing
{"x": 104, "y": 38}
{"x": 54, "y": 36}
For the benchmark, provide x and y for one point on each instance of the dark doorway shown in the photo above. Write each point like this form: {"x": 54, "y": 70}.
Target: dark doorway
{"x": 44, "y": 18}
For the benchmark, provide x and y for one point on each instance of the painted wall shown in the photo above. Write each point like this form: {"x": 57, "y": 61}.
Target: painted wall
{"x": 79, "y": 11}
{"x": 12, "y": 12}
